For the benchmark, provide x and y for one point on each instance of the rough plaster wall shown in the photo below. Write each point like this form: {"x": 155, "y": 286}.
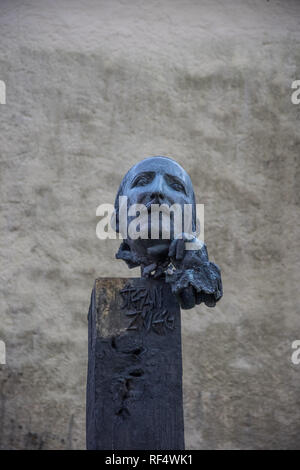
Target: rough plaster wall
{"x": 93, "y": 86}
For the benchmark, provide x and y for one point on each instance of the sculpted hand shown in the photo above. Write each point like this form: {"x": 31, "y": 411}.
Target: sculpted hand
{"x": 195, "y": 278}
{"x": 187, "y": 252}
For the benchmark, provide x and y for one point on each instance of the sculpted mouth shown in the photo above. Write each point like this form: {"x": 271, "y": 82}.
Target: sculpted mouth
{"x": 148, "y": 206}
{"x": 162, "y": 207}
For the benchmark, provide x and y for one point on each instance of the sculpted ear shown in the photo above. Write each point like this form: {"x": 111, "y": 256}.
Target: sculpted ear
{"x": 197, "y": 228}
{"x": 114, "y": 222}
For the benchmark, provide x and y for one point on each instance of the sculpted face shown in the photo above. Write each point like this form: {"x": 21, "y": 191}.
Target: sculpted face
{"x": 156, "y": 180}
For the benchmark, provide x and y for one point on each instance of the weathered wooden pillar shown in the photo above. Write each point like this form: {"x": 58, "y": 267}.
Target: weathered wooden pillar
{"x": 134, "y": 385}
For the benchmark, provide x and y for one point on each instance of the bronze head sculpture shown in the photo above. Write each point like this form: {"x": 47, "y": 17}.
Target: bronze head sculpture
{"x": 160, "y": 182}
{"x": 134, "y": 387}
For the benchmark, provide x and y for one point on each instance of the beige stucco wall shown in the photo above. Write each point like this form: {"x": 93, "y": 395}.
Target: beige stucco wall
{"x": 92, "y": 87}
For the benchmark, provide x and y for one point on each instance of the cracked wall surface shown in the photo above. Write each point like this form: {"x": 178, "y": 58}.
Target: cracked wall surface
{"x": 91, "y": 88}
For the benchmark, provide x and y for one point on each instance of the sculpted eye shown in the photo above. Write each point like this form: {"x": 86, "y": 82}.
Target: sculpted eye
{"x": 177, "y": 186}
{"x": 175, "y": 183}
{"x": 141, "y": 180}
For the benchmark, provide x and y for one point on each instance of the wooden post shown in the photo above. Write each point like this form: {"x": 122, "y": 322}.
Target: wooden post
{"x": 134, "y": 384}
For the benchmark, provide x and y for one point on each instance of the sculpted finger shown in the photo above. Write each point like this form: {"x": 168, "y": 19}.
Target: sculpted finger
{"x": 199, "y": 297}
{"x": 187, "y": 298}
{"x": 172, "y": 249}
{"x": 180, "y": 247}
{"x": 210, "y": 300}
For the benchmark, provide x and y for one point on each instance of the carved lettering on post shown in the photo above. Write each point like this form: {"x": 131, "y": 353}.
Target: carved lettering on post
{"x": 146, "y": 310}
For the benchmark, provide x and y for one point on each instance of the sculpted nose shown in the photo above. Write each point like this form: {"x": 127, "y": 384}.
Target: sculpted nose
{"x": 157, "y": 195}
{"x": 157, "y": 191}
